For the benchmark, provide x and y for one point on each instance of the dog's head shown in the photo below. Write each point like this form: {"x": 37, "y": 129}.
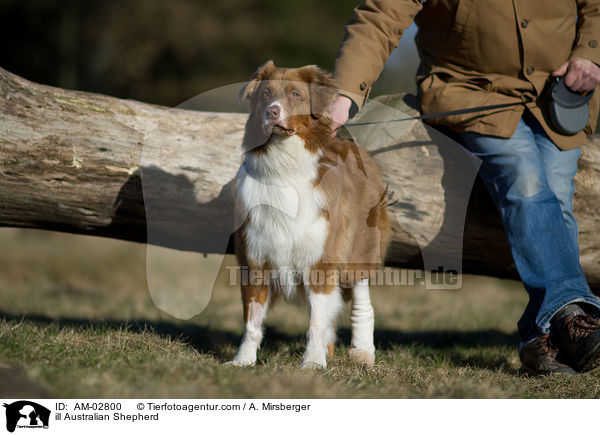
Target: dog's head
{"x": 286, "y": 101}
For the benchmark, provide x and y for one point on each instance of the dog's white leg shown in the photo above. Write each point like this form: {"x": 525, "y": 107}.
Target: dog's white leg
{"x": 323, "y": 310}
{"x": 253, "y": 334}
{"x": 362, "y": 319}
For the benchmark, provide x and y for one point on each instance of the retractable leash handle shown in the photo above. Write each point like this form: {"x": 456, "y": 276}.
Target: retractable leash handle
{"x": 569, "y": 111}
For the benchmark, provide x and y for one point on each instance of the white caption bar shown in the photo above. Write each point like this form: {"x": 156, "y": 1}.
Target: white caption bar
{"x": 279, "y": 416}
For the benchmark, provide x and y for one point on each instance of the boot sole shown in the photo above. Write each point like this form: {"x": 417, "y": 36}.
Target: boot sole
{"x": 525, "y": 372}
{"x": 591, "y": 360}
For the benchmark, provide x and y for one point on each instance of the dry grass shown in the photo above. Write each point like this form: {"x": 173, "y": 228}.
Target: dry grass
{"x": 78, "y": 321}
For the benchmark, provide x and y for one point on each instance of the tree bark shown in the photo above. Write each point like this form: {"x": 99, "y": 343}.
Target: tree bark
{"x": 92, "y": 164}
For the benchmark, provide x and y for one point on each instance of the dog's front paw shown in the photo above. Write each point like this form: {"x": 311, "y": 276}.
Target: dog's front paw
{"x": 365, "y": 357}
{"x": 245, "y": 356}
{"x": 242, "y": 360}
{"x": 240, "y": 363}
{"x": 314, "y": 358}
{"x": 312, "y": 365}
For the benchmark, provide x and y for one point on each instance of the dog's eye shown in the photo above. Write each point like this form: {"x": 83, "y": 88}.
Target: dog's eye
{"x": 266, "y": 93}
{"x": 295, "y": 94}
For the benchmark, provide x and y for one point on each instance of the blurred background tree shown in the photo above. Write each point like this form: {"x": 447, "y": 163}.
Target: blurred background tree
{"x": 165, "y": 52}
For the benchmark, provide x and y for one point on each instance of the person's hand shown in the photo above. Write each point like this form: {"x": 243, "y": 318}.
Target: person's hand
{"x": 340, "y": 112}
{"x": 582, "y": 75}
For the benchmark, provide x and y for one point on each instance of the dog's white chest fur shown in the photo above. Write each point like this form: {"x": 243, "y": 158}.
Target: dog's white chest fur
{"x": 275, "y": 191}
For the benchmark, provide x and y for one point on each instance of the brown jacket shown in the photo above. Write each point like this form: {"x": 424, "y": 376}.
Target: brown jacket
{"x": 474, "y": 53}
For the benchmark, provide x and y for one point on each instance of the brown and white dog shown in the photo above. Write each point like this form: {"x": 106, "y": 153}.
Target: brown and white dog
{"x": 313, "y": 211}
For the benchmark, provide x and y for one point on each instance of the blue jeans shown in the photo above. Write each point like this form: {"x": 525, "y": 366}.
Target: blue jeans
{"x": 531, "y": 183}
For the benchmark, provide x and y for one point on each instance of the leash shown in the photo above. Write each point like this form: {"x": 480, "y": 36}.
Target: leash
{"x": 441, "y": 114}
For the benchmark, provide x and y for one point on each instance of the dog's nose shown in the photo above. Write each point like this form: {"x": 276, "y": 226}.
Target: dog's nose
{"x": 273, "y": 112}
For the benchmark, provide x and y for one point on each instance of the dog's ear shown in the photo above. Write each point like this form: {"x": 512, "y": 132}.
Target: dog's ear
{"x": 321, "y": 87}
{"x": 250, "y": 88}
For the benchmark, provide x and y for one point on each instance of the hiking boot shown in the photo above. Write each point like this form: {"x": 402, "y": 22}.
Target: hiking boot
{"x": 577, "y": 335}
{"x": 540, "y": 357}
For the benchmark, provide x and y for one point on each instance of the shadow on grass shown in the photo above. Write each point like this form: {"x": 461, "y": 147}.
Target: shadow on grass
{"x": 201, "y": 338}
{"x": 452, "y": 345}
{"x": 461, "y": 348}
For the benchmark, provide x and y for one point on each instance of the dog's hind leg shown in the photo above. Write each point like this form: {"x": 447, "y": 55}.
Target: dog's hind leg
{"x": 362, "y": 319}
{"x": 256, "y": 302}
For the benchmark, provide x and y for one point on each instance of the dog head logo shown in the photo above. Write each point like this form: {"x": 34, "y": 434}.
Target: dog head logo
{"x": 26, "y": 414}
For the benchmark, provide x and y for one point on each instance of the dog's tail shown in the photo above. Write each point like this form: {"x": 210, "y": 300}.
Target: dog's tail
{"x": 385, "y": 200}
{"x": 387, "y": 197}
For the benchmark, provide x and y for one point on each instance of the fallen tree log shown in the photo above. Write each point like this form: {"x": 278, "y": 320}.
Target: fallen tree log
{"x": 92, "y": 164}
